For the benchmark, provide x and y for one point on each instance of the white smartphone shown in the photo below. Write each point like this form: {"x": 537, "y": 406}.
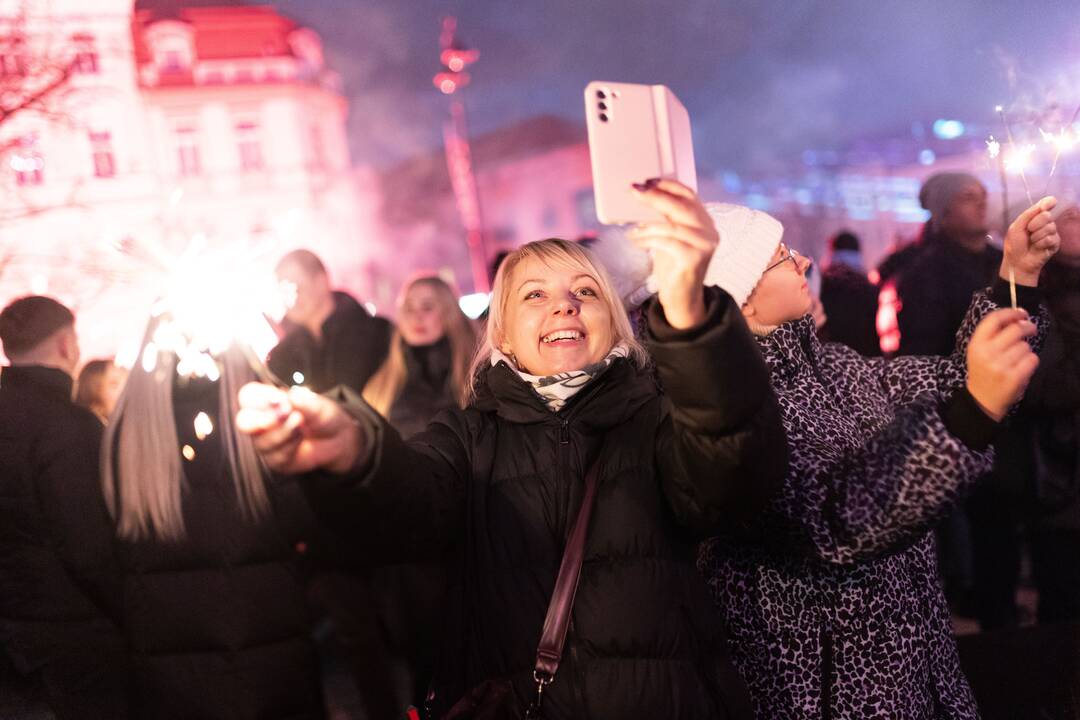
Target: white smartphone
{"x": 636, "y": 132}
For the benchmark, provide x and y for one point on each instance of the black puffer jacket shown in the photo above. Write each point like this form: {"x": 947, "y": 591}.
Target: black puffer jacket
{"x": 352, "y": 347}
{"x": 59, "y": 583}
{"x": 499, "y": 484}
{"x": 427, "y": 389}
{"x": 217, "y": 623}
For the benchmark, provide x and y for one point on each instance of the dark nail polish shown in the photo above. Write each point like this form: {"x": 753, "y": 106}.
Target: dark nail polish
{"x": 640, "y": 187}
{"x": 652, "y": 182}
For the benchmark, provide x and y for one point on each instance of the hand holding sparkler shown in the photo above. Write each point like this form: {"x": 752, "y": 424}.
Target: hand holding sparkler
{"x": 1030, "y": 242}
{"x": 296, "y": 430}
{"x": 1000, "y": 361}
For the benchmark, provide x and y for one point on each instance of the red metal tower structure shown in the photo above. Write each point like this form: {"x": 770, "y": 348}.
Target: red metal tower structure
{"x": 455, "y": 57}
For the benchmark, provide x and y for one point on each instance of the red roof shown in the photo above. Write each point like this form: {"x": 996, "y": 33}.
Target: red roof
{"x": 221, "y": 31}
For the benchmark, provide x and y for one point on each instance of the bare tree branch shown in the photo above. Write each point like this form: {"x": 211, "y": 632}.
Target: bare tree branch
{"x": 34, "y": 98}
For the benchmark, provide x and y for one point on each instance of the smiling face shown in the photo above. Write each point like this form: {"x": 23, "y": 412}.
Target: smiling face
{"x": 556, "y": 317}
{"x": 782, "y": 294}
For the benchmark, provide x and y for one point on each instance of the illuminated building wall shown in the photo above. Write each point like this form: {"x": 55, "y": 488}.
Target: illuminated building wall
{"x": 218, "y": 124}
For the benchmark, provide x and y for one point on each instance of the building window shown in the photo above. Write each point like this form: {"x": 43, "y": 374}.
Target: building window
{"x": 187, "y": 152}
{"x": 247, "y": 142}
{"x": 85, "y": 61}
{"x": 13, "y": 61}
{"x": 28, "y": 163}
{"x": 173, "y": 62}
{"x": 102, "y": 154}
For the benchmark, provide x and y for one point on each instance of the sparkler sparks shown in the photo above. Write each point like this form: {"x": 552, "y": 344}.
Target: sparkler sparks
{"x": 1019, "y": 161}
{"x": 993, "y": 147}
{"x": 213, "y": 298}
{"x": 1064, "y": 142}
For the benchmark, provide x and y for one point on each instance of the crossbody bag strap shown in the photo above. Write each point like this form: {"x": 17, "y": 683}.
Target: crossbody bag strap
{"x": 553, "y": 637}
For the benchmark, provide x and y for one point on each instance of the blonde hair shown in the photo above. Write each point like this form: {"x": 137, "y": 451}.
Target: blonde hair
{"x": 385, "y": 386}
{"x": 141, "y": 474}
{"x": 553, "y": 252}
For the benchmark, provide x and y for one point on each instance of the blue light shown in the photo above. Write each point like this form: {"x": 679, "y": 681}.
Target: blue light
{"x": 732, "y": 182}
{"x": 948, "y": 129}
{"x": 757, "y": 201}
{"x": 927, "y": 157}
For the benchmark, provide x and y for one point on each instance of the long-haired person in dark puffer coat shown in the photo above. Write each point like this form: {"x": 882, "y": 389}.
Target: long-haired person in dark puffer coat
{"x": 832, "y": 598}
{"x": 427, "y": 369}
{"x": 215, "y": 617}
{"x": 562, "y": 384}
{"x": 391, "y": 644}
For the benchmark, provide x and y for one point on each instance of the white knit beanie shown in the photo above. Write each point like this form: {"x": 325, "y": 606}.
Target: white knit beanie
{"x": 748, "y": 240}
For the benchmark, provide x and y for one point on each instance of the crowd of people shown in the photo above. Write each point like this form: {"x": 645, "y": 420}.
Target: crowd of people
{"x": 721, "y": 499}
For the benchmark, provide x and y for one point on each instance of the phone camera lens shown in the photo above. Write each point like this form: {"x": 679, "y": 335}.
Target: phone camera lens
{"x": 603, "y": 117}
{"x": 601, "y": 94}
{"x": 602, "y": 106}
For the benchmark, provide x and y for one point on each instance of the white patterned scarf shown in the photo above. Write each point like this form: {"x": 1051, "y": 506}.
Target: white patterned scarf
{"x": 556, "y": 390}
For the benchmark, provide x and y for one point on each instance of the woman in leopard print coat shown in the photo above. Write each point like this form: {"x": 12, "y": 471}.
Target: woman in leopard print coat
{"x": 832, "y": 598}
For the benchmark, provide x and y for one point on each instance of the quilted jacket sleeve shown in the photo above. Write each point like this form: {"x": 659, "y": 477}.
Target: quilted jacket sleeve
{"x": 888, "y": 492}
{"x": 720, "y": 448}
{"x": 403, "y": 501}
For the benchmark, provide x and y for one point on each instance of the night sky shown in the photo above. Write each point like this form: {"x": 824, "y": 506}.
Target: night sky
{"x": 762, "y": 80}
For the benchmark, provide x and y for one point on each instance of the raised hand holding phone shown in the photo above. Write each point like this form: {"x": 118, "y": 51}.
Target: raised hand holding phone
{"x": 681, "y": 246}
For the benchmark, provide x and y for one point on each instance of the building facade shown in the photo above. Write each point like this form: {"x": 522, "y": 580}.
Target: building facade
{"x": 211, "y": 124}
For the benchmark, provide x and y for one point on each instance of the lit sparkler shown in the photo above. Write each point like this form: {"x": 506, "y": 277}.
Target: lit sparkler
{"x": 213, "y": 299}
{"x": 1064, "y": 141}
{"x": 1019, "y": 161}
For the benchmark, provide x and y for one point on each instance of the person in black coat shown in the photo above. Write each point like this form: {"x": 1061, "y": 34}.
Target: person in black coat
{"x": 424, "y": 374}
{"x": 849, "y": 299}
{"x": 331, "y": 339}
{"x": 1036, "y": 478}
{"x": 60, "y": 641}
{"x": 1053, "y": 406}
{"x": 428, "y": 365}
{"x": 494, "y": 487}
{"x": 214, "y": 611}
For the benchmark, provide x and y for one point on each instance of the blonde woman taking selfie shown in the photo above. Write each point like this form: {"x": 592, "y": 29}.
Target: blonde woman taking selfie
{"x": 563, "y": 414}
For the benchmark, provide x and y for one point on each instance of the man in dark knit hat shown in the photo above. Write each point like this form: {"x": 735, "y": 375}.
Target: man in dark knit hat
{"x": 955, "y": 260}
{"x": 60, "y": 647}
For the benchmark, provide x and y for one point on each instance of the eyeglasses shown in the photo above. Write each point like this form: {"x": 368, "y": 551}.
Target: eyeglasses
{"x": 789, "y": 254}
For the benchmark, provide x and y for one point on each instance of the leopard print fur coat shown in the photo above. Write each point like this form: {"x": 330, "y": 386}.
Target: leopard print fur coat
{"x": 833, "y": 602}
